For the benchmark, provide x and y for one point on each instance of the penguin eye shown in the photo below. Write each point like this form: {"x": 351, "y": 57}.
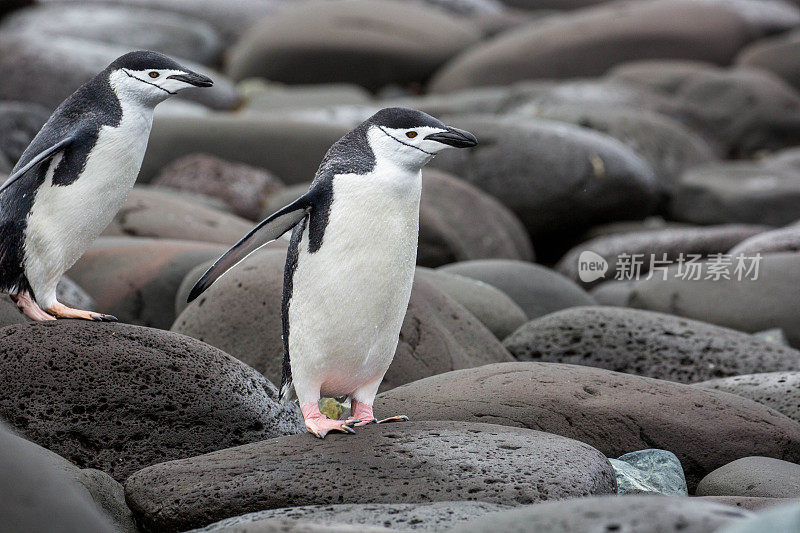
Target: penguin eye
{"x": 411, "y": 134}
{"x": 154, "y": 74}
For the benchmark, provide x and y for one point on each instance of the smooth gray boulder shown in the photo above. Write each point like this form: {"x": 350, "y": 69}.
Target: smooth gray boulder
{"x": 19, "y": 124}
{"x": 667, "y": 145}
{"x": 754, "y": 477}
{"x": 290, "y": 148}
{"x": 642, "y": 514}
{"x": 371, "y": 43}
{"x": 737, "y": 192}
{"x": 645, "y": 343}
{"x": 536, "y": 289}
{"x": 558, "y": 178}
{"x": 588, "y": 43}
{"x": 139, "y": 29}
{"x": 412, "y": 462}
{"x": 499, "y": 313}
{"x": 780, "y": 240}
{"x": 779, "y": 390}
{"x": 41, "y": 495}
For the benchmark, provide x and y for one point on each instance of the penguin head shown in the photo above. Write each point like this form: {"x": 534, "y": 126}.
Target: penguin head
{"x": 150, "y": 77}
{"x": 411, "y": 138}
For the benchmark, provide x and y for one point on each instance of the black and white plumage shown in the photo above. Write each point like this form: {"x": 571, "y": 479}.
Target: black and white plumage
{"x": 351, "y": 260}
{"x": 75, "y": 175}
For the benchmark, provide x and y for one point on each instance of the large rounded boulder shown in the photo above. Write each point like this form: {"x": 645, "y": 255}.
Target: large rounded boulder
{"x": 136, "y": 279}
{"x": 649, "y": 344}
{"x": 536, "y": 289}
{"x": 586, "y": 44}
{"x": 369, "y": 43}
{"x": 616, "y": 413}
{"x": 558, "y": 178}
{"x": 409, "y": 463}
{"x": 118, "y": 398}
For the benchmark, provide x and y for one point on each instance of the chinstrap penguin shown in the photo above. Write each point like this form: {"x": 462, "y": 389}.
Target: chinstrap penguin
{"x": 351, "y": 260}
{"x": 76, "y": 174}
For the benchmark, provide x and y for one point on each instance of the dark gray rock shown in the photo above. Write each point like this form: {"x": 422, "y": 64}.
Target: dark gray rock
{"x": 588, "y": 43}
{"x": 784, "y": 519}
{"x": 752, "y": 305}
{"x": 39, "y": 496}
{"x": 438, "y": 334}
{"x": 19, "y": 124}
{"x": 93, "y": 484}
{"x": 70, "y": 293}
{"x": 415, "y": 462}
{"x": 665, "y": 244}
{"x": 290, "y": 148}
{"x": 731, "y": 192}
{"x": 243, "y": 188}
{"x": 449, "y": 230}
{"x": 160, "y": 213}
{"x": 136, "y": 279}
{"x": 613, "y": 293}
{"x": 264, "y": 96}
{"x": 536, "y": 289}
{"x": 404, "y": 516}
{"x": 748, "y": 503}
{"x": 558, "y": 178}
{"x": 32, "y": 61}
{"x": 322, "y": 42}
{"x": 788, "y": 159}
{"x": 667, "y": 145}
{"x": 778, "y": 55}
{"x": 139, "y": 29}
{"x": 231, "y": 19}
{"x": 647, "y": 344}
{"x": 118, "y": 397}
{"x": 780, "y": 240}
{"x": 763, "y": 477}
{"x": 748, "y": 110}
{"x": 666, "y": 75}
{"x": 642, "y": 514}
{"x": 616, "y": 413}
{"x": 779, "y": 390}
{"x": 287, "y": 525}
{"x": 499, "y": 313}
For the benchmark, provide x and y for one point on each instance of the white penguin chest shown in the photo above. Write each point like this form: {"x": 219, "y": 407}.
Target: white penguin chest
{"x": 349, "y": 297}
{"x": 64, "y": 220}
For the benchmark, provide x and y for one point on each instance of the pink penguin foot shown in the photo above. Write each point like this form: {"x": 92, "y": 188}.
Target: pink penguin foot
{"x": 364, "y": 415}
{"x": 30, "y": 308}
{"x": 319, "y": 425}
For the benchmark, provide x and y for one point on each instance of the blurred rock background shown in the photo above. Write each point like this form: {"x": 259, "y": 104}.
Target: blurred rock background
{"x": 658, "y": 128}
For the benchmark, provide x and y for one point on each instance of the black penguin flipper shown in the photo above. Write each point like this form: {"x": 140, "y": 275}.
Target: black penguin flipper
{"x": 39, "y": 158}
{"x": 267, "y": 231}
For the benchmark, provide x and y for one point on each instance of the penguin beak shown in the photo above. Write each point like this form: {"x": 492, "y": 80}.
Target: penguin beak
{"x": 193, "y": 78}
{"x": 454, "y": 137}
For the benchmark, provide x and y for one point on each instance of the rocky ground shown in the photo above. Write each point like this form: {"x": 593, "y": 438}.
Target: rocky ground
{"x": 551, "y": 387}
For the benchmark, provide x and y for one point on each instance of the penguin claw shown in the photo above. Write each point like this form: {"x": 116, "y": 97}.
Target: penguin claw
{"x": 398, "y": 418}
